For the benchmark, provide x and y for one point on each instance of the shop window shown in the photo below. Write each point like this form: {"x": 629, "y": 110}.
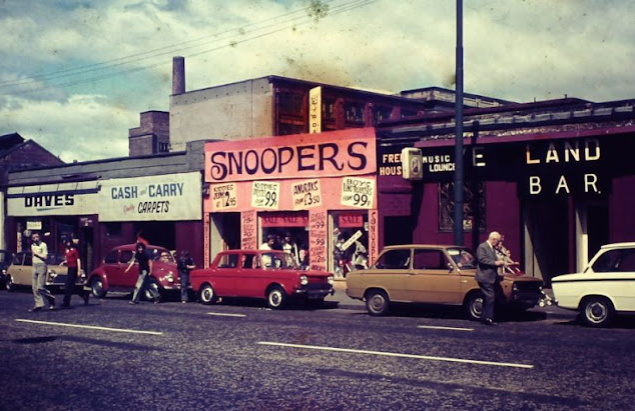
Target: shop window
{"x": 382, "y": 114}
{"x": 473, "y": 207}
{"x": 349, "y": 244}
{"x": 113, "y": 229}
{"x": 354, "y": 112}
{"x": 394, "y": 260}
{"x": 290, "y": 103}
{"x": 429, "y": 260}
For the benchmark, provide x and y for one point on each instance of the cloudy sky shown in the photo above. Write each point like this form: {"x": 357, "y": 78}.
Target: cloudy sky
{"x": 75, "y": 74}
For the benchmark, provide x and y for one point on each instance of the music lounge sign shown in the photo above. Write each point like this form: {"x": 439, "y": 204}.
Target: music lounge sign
{"x": 565, "y": 167}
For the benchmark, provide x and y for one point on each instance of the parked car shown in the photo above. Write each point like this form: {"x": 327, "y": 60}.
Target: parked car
{"x": 20, "y": 272}
{"x": 433, "y": 274}
{"x": 605, "y": 288}
{"x": 265, "y": 274}
{"x": 5, "y": 261}
{"x": 111, "y": 275}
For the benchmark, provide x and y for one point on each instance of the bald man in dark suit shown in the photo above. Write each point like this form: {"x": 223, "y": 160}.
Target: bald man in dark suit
{"x": 487, "y": 275}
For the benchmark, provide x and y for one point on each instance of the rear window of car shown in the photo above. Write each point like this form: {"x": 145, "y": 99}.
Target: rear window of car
{"x": 125, "y": 256}
{"x": 111, "y": 257}
{"x": 394, "y": 259}
{"x": 616, "y": 261}
{"x": 18, "y": 258}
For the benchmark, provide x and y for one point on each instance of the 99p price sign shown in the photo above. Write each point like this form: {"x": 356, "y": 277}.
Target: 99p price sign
{"x": 306, "y": 194}
{"x": 358, "y": 192}
{"x": 265, "y": 195}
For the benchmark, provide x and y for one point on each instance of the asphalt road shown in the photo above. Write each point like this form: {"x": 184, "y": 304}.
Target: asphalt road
{"x": 240, "y": 356}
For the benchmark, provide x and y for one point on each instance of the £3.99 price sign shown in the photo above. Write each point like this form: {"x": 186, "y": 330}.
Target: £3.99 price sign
{"x": 358, "y": 192}
{"x": 265, "y": 195}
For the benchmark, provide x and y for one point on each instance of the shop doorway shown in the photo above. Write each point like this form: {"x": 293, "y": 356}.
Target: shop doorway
{"x": 546, "y": 236}
{"x": 224, "y": 232}
{"x": 592, "y": 231}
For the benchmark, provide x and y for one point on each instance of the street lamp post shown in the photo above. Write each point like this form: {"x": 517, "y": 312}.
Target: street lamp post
{"x": 458, "y": 136}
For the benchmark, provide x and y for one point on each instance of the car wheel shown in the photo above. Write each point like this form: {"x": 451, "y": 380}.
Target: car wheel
{"x": 10, "y": 285}
{"x": 474, "y": 306}
{"x": 276, "y": 297}
{"x": 597, "y": 311}
{"x": 377, "y": 302}
{"x": 153, "y": 288}
{"x": 207, "y": 294}
{"x": 97, "y": 288}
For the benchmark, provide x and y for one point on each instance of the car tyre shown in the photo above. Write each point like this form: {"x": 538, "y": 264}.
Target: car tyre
{"x": 474, "y": 306}
{"x": 597, "y": 312}
{"x": 153, "y": 288}
{"x": 377, "y": 302}
{"x": 207, "y": 295}
{"x": 97, "y": 288}
{"x": 276, "y": 297}
{"x": 10, "y": 285}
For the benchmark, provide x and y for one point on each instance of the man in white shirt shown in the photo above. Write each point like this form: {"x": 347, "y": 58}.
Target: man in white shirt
{"x": 40, "y": 253}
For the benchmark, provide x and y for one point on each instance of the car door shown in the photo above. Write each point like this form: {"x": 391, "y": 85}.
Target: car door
{"x": 19, "y": 273}
{"x": 390, "y": 272}
{"x": 225, "y": 276}
{"x": 251, "y": 277}
{"x": 432, "y": 278}
{"x": 126, "y": 279}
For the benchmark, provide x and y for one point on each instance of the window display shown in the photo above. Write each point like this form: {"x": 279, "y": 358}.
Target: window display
{"x": 349, "y": 243}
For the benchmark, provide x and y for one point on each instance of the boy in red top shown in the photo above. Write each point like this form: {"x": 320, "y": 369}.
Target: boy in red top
{"x": 74, "y": 264}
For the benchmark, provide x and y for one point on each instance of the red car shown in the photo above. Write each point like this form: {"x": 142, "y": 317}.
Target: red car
{"x": 111, "y": 275}
{"x": 265, "y": 274}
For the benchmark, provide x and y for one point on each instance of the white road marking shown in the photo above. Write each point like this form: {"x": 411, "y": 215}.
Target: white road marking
{"x": 91, "y": 327}
{"x": 434, "y": 327}
{"x": 227, "y": 315}
{"x": 391, "y": 354}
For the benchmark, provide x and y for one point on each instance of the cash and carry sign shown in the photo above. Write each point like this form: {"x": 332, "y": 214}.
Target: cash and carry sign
{"x": 170, "y": 197}
{"x": 336, "y": 153}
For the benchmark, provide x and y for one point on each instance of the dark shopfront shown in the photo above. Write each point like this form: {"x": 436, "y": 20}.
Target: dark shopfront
{"x": 555, "y": 197}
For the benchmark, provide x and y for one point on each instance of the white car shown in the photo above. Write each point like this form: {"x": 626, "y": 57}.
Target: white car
{"x": 605, "y": 288}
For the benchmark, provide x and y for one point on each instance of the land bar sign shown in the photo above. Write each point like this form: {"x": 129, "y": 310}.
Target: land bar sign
{"x": 170, "y": 197}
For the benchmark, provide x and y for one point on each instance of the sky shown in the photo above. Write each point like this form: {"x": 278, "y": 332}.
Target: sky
{"x": 76, "y": 74}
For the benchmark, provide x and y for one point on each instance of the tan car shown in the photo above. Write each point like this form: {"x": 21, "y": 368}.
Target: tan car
{"x": 20, "y": 272}
{"x": 433, "y": 274}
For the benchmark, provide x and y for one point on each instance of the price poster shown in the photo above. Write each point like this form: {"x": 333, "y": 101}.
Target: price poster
{"x": 306, "y": 194}
{"x": 358, "y": 192}
{"x": 224, "y": 196}
{"x": 265, "y": 195}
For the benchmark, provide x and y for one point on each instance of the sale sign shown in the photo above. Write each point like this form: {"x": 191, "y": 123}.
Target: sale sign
{"x": 358, "y": 192}
{"x": 265, "y": 195}
{"x": 306, "y": 194}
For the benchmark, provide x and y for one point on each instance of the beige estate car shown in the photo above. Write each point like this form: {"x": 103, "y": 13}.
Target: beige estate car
{"x": 20, "y": 272}
{"x": 433, "y": 274}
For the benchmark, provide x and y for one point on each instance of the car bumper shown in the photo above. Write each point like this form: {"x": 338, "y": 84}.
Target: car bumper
{"x": 314, "y": 293}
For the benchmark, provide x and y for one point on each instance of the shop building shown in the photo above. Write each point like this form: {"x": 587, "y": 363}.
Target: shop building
{"x": 107, "y": 203}
{"x": 319, "y": 189}
{"x": 554, "y": 177}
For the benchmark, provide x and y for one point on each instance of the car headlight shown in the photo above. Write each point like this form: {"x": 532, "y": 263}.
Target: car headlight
{"x": 52, "y": 274}
{"x": 515, "y": 287}
{"x": 169, "y": 277}
{"x": 304, "y": 280}
{"x": 331, "y": 280}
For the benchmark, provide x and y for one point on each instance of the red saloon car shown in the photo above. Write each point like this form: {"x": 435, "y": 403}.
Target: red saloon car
{"x": 111, "y": 275}
{"x": 266, "y": 274}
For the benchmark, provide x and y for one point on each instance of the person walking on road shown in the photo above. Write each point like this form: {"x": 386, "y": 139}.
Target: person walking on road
{"x": 39, "y": 252}
{"x": 487, "y": 275}
{"x": 145, "y": 268}
{"x": 184, "y": 265}
{"x": 74, "y": 266}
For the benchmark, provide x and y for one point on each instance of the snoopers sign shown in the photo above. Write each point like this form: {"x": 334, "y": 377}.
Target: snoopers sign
{"x": 336, "y": 153}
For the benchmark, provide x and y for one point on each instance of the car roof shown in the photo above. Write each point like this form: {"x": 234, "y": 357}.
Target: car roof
{"x": 134, "y": 247}
{"x": 619, "y": 245}
{"x": 422, "y": 246}
{"x": 250, "y": 251}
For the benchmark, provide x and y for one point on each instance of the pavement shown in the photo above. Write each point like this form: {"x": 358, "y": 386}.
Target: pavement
{"x": 344, "y": 301}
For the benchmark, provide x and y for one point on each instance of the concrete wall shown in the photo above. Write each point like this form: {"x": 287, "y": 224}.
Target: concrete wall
{"x": 231, "y": 112}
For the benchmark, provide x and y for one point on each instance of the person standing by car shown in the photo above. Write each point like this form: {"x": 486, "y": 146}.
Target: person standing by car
{"x": 145, "y": 268}
{"x": 74, "y": 266}
{"x": 487, "y": 275}
{"x": 184, "y": 265}
{"x": 39, "y": 251}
